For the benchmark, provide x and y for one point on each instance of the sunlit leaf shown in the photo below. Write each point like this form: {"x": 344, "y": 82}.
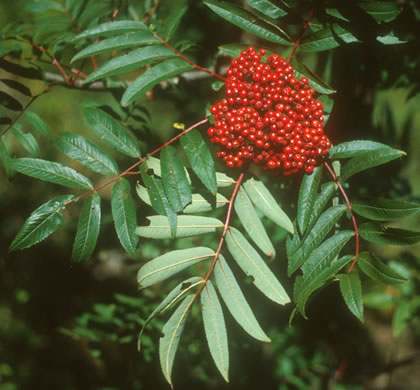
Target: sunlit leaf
{"x": 224, "y": 180}
{"x": 51, "y": 172}
{"x": 87, "y": 229}
{"x": 124, "y": 216}
{"x": 268, "y": 7}
{"x": 377, "y": 270}
{"x": 252, "y": 224}
{"x": 266, "y": 203}
{"x": 351, "y": 289}
{"x": 186, "y": 226}
{"x": 112, "y": 28}
{"x": 235, "y": 301}
{"x": 44, "y": 221}
{"x": 86, "y": 153}
{"x": 379, "y": 234}
{"x": 199, "y": 204}
{"x": 171, "y": 263}
{"x": 253, "y": 265}
{"x": 356, "y": 148}
{"x": 17, "y": 86}
{"x": 390, "y": 39}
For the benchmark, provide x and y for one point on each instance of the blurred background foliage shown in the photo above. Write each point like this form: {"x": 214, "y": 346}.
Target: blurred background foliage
{"x": 69, "y": 326}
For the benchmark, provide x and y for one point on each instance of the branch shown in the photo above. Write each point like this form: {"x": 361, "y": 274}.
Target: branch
{"x": 295, "y": 46}
{"x": 356, "y": 229}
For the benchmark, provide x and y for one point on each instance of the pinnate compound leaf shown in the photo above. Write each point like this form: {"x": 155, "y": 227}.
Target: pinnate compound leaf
{"x": 328, "y": 38}
{"x": 38, "y": 124}
{"x": 87, "y": 229}
{"x": 112, "y": 28}
{"x": 355, "y": 148}
{"x": 27, "y": 140}
{"x": 200, "y": 159}
{"x": 186, "y": 226}
{"x": 44, "y": 221}
{"x": 321, "y": 200}
{"x": 377, "y": 270}
{"x": 265, "y": 202}
{"x": 215, "y": 329}
{"x": 5, "y": 158}
{"x": 382, "y": 209}
{"x": 351, "y": 289}
{"x": 86, "y": 153}
{"x": 160, "y": 72}
{"x": 381, "y": 11}
{"x": 172, "y": 331}
{"x": 369, "y": 160}
{"x": 171, "y": 263}
{"x": 172, "y": 21}
{"x": 51, "y": 172}
{"x": 124, "y": 216}
{"x": 199, "y": 204}
{"x": 305, "y": 286}
{"x": 174, "y": 179}
{"x": 315, "y": 236}
{"x": 268, "y": 8}
{"x": 301, "y": 70}
{"x": 128, "y": 62}
{"x": 177, "y": 293}
{"x": 235, "y": 301}
{"x": 248, "y": 21}
{"x": 307, "y": 194}
{"x": 293, "y": 242}
{"x": 111, "y": 131}
{"x": 159, "y": 200}
{"x": 253, "y": 265}
{"x": 252, "y": 224}
{"x": 379, "y": 234}
{"x": 117, "y": 43}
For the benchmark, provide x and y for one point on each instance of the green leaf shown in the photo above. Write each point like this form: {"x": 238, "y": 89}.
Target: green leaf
{"x": 307, "y": 195}
{"x": 390, "y": 39}
{"x": 119, "y": 42}
{"x": 355, "y": 149}
{"x": 328, "y": 104}
{"x": 10, "y": 102}
{"x": 322, "y": 256}
{"x": 172, "y": 331}
{"x": 128, "y": 62}
{"x": 268, "y": 8}
{"x": 382, "y": 209}
{"x": 369, "y": 160}
{"x": 328, "y": 38}
{"x": 171, "y": 263}
{"x": 351, "y": 289}
{"x": 215, "y": 329}
{"x": 233, "y": 49}
{"x": 87, "y": 229}
{"x": 217, "y": 85}
{"x": 86, "y": 153}
{"x": 252, "y": 224}
{"x": 304, "y": 287}
{"x": 248, "y": 21}
{"x": 235, "y": 301}
{"x": 172, "y": 21}
{"x": 187, "y": 226}
{"x": 51, "y": 172}
{"x": 321, "y": 200}
{"x": 301, "y": 70}
{"x": 44, "y": 221}
{"x": 38, "y": 124}
{"x": 27, "y": 140}
{"x": 160, "y": 72}
{"x": 174, "y": 179}
{"x": 200, "y": 205}
{"x": 177, "y": 293}
{"x": 13, "y": 84}
{"x": 111, "y": 131}
{"x": 124, "y": 216}
{"x": 266, "y": 203}
{"x": 253, "y": 265}
{"x": 315, "y": 236}
{"x": 159, "y": 201}
{"x": 377, "y": 270}
{"x": 379, "y": 234}
{"x": 381, "y": 11}
{"x": 224, "y": 180}
{"x": 112, "y": 28}
{"x": 404, "y": 312}
{"x": 200, "y": 159}
{"x": 5, "y": 158}
{"x": 293, "y": 242}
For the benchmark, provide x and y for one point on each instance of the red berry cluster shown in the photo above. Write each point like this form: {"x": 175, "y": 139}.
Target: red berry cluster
{"x": 268, "y": 116}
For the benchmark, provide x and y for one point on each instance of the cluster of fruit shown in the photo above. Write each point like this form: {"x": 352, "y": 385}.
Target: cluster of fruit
{"x": 268, "y": 116}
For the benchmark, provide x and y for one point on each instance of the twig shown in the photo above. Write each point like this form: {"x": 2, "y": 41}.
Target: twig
{"x": 356, "y": 229}
{"x": 151, "y": 12}
{"x": 295, "y": 46}
{"x": 186, "y": 59}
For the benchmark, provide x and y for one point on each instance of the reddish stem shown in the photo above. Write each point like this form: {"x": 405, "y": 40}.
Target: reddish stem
{"x": 356, "y": 229}
{"x": 151, "y": 11}
{"x": 295, "y": 46}
{"x": 129, "y": 170}
{"x": 186, "y": 59}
